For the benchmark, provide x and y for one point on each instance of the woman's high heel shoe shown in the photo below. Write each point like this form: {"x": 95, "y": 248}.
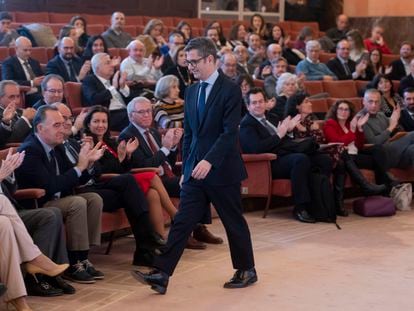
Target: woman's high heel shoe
{"x": 32, "y": 269}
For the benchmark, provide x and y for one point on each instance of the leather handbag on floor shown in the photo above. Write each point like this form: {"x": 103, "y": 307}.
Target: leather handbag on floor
{"x": 402, "y": 196}
{"x": 374, "y": 206}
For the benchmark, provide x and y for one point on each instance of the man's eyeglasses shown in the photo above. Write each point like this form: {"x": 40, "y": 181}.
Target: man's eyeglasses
{"x": 142, "y": 112}
{"x": 53, "y": 91}
{"x": 194, "y": 62}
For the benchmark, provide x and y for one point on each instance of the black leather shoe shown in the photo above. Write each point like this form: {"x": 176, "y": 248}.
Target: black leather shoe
{"x": 60, "y": 283}
{"x": 40, "y": 287}
{"x": 242, "y": 278}
{"x": 156, "y": 279}
{"x": 303, "y": 216}
{"x": 143, "y": 257}
{"x": 3, "y": 289}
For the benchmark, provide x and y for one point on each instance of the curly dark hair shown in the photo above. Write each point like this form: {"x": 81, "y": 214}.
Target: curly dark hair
{"x": 377, "y": 80}
{"x": 333, "y": 111}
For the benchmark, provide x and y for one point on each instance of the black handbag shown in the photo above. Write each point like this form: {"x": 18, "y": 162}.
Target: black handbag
{"x": 306, "y": 145}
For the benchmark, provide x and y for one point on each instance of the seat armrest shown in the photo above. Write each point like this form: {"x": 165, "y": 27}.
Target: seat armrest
{"x": 29, "y": 193}
{"x": 107, "y": 176}
{"x": 258, "y": 157}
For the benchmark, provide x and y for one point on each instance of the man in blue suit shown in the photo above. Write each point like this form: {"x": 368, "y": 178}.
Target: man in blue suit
{"x": 66, "y": 64}
{"x": 212, "y": 170}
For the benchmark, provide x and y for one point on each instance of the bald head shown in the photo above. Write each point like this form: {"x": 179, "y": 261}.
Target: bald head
{"x": 274, "y": 51}
{"x": 342, "y": 22}
{"x": 66, "y": 48}
{"x": 136, "y": 50}
{"x": 23, "y": 48}
{"x": 229, "y": 65}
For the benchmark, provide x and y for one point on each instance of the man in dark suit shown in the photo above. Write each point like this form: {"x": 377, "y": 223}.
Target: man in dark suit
{"x": 52, "y": 90}
{"x": 157, "y": 151}
{"x": 344, "y": 67}
{"x": 242, "y": 55}
{"x": 66, "y": 64}
{"x": 407, "y": 81}
{"x": 212, "y": 170}
{"x": 400, "y": 68}
{"x": 15, "y": 122}
{"x": 258, "y": 135}
{"x": 24, "y": 70}
{"x": 105, "y": 88}
{"x": 56, "y": 174}
{"x": 175, "y": 40}
{"x": 407, "y": 113}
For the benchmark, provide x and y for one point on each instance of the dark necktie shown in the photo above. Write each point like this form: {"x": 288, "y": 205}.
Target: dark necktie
{"x": 151, "y": 142}
{"x": 29, "y": 70}
{"x": 268, "y": 127}
{"x": 71, "y": 152}
{"x": 53, "y": 162}
{"x": 201, "y": 104}
{"x": 72, "y": 74}
{"x": 347, "y": 70}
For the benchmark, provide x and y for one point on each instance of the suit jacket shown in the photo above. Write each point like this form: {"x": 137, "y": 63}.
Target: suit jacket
{"x": 95, "y": 93}
{"x": 214, "y": 138}
{"x": 338, "y": 69}
{"x": 56, "y": 66}
{"x": 406, "y": 82}
{"x": 168, "y": 62}
{"x": 398, "y": 70}
{"x": 406, "y": 121}
{"x": 42, "y": 174}
{"x": 255, "y": 138}
{"x": 39, "y": 104}
{"x": 12, "y": 69}
{"x": 19, "y": 128}
{"x": 143, "y": 156}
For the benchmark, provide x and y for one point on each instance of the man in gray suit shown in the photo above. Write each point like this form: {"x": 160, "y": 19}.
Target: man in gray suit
{"x": 380, "y": 130}
{"x": 15, "y": 122}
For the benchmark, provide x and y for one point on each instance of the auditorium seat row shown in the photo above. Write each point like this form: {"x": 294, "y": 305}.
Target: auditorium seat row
{"x": 387, "y": 59}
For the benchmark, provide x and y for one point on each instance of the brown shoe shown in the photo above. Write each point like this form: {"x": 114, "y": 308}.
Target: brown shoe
{"x": 194, "y": 244}
{"x": 202, "y": 234}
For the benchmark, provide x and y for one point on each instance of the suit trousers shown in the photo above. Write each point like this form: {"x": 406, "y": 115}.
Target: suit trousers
{"x": 16, "y": 247}
{"x": 195, "y": 198}
{"x": 45, "y": 226}
{"x": 82, "y": 216}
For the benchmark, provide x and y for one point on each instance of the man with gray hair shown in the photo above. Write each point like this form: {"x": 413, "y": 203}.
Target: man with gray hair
{"x": 311, "y": 67}
{"x": 66, "y": 64}
{"x": 52, "y": 90}
{"x": 228, "y": 64}
{"x": 380, "y": 130}
{"x": 107, "y": 88}
{"x": 16, "y": 123}
{"x": 115, "y": 36}
{"x": 141, "y": 70}
{"x": 23, "y": 69}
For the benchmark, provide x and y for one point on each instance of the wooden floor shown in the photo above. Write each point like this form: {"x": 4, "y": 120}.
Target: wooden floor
{"x": 368, "y": 265}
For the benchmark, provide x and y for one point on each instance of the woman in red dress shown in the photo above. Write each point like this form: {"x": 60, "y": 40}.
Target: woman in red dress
{"x": 116, "y": 160}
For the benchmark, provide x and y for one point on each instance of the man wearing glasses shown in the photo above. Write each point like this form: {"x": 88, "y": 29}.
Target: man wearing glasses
{"x": 16, "y": 123}
{"x": 212, "y": 170}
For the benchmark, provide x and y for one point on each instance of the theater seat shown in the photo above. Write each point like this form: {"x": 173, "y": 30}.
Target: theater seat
{"x": 31, "y": 17}
{"x": 319, "y": 107}
{"x": 313, "y": 87}
{"x": 73, "y": 95}
{"x": 340, "y": 89}
{"x": 326, "y": 57}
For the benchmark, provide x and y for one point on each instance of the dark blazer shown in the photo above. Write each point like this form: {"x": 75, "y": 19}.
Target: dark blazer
{"x": 338, "y": 69}
{"x": 95, "y": 93}
{"x": 56, "y": 66}
{"x": 255, "y": 138}
{"x": 406, "y": 82}
{"x": 398, "y": 70}
{"x": 143, "y": 156}
{"x": 406, "y": 121}
{"x": 42, "y": 174}
{"x": 39, "y": 104}
{"x": 19, "y": 128}
{"x": 13, "y": 70}
{"x": 167, "y": 63}
{"x": 214, "y": 139}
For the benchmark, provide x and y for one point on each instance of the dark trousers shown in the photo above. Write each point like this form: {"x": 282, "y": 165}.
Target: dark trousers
{"x": 296, "y": 167}
{"x": 195, "y": 198}
{"x": 45, "y": 226}
{"x": 119, "y": 119}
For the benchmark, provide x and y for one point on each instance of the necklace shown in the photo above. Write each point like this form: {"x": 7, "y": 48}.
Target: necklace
{"x": 188, "y": 81}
